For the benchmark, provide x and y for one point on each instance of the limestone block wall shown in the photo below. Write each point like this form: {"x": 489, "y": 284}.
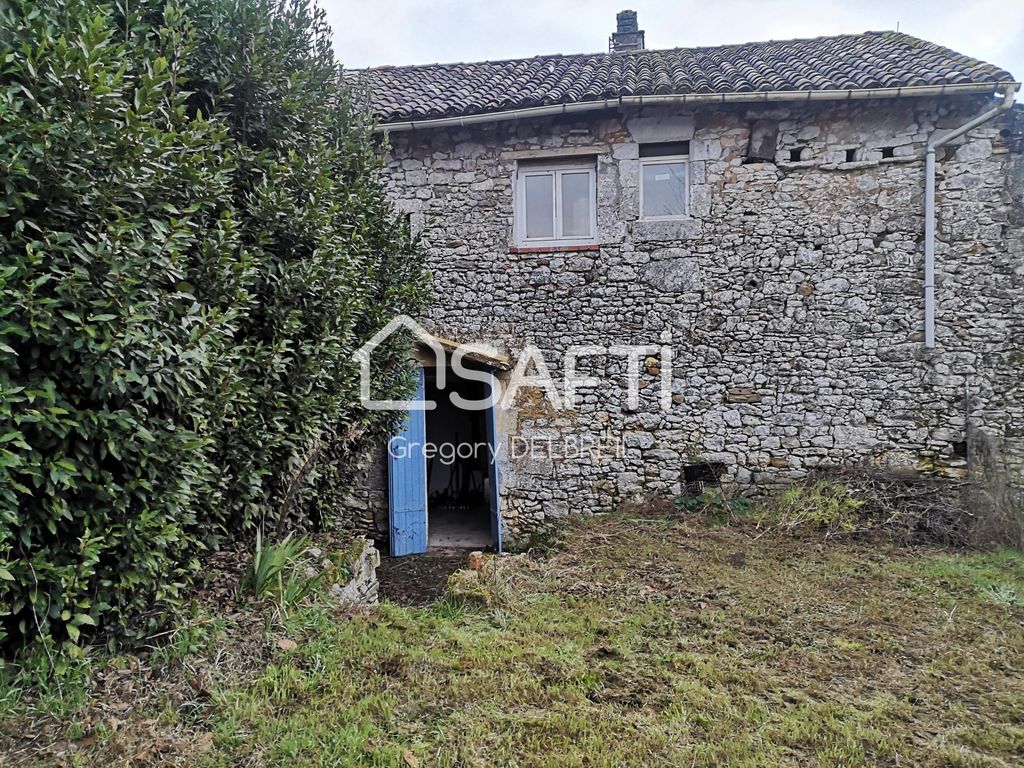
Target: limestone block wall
{"x": 792, "y": 293}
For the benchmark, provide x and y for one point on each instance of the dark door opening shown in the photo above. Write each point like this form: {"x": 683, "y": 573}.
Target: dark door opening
{"x": 459, "y": 478}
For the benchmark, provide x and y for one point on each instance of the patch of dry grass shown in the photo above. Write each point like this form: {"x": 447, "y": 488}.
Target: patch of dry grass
{"x": 643, "y": 642}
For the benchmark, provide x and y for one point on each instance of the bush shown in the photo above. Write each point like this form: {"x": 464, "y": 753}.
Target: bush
{"x": 332, "y": 262}
{"x": 195, "y": 241}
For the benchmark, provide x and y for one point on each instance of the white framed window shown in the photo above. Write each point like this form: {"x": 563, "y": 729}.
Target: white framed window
{"x": 556, "y": 203}
{"x": 665, "y": 181}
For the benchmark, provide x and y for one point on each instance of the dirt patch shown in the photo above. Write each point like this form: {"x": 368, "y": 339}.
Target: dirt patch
{"x": 418, "y": 579}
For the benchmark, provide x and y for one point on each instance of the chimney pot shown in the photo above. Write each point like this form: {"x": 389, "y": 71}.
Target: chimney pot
{"x": 627, "y": 35}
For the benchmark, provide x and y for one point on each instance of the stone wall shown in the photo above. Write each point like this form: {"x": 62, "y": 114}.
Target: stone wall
{"x": 793, "y": 293}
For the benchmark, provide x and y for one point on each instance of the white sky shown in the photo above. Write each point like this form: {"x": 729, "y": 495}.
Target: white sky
{"x": 374, "y": 32}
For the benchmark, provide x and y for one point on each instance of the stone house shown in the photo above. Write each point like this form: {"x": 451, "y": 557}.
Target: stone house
{"x": 759, "y": 216}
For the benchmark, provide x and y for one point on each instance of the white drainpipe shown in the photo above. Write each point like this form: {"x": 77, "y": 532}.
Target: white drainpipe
{"x": 929, "y": 205}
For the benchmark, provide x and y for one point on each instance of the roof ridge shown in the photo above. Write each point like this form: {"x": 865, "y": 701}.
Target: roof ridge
{"x": 601, "y": 54}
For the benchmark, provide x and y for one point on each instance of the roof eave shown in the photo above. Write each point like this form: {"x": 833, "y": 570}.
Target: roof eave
{"x": 959, "y": 89}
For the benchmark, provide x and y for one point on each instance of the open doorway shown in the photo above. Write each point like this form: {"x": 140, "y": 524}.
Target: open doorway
{"x": 443, "y": 476}
{"x": 460, "y": 503}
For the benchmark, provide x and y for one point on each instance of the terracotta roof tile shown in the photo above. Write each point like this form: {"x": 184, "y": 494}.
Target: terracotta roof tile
{"x": 869, "y": 60}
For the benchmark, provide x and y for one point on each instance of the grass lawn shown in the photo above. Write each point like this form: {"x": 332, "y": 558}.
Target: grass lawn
{"x": 641, "y": 642}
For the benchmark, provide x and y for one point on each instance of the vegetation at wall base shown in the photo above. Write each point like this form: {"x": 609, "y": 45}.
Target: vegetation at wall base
{"x": 195, "y": 240}
{"x": 903, "y": 506}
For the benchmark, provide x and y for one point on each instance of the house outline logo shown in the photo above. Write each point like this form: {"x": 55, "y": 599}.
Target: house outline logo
{"x": 364, "y": 353}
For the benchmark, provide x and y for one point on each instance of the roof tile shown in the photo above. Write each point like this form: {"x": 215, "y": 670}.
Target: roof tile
{"x": 869, "y": 60}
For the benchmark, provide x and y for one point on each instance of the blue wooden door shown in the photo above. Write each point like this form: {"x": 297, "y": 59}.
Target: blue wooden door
{"x": 494, "y": 476}
{"x": 407, "y": 483}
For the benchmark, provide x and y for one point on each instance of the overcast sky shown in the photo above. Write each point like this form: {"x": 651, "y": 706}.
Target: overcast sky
{"x": 374, "y": 32}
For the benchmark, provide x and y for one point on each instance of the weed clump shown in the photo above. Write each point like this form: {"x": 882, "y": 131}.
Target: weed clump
{"x": 714, "y": 506}
{"x": 491, "y": 585}
{"x": 292, "y": 572}
{"x": 825, "y": 505}
{"x": 905, "y": 508}
{"x": 467, "y": 586}
{"x": 276, "y": 572}
{"x": 542, "y": 540}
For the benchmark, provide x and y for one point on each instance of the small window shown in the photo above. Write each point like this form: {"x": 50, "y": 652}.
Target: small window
{"x": 888, "y": 152}
{"x": 706, "y": 474}
{"x": 556, "y": 204}
{"x": 851, "y": 155}
{"x": 664, "y": 180}
{"x": 796, "y": 154}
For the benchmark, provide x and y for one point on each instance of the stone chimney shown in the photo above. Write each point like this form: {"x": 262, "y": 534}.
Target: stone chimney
{"x": 626, "y": 37}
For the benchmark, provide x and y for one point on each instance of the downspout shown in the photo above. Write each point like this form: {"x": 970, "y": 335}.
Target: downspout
{"x": 929, "y": 205}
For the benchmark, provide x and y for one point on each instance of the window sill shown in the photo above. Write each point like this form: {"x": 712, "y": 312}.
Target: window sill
{"x": 665, "y": 219}
{"x": 555, "y": 248}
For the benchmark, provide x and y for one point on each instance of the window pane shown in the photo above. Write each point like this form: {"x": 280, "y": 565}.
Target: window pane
{"x": 540, "y": 206}
{"x": 576, "y": 204}
{"x": 664, "y": 189}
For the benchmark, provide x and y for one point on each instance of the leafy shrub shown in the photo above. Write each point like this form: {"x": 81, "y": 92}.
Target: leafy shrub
{"x": 332, "y": 262}
{"x": 195, "y": 241}
{"x": 120, "y": 298}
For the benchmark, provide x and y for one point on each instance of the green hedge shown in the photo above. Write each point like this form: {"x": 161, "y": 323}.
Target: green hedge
{"x": 195, "y": 241}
